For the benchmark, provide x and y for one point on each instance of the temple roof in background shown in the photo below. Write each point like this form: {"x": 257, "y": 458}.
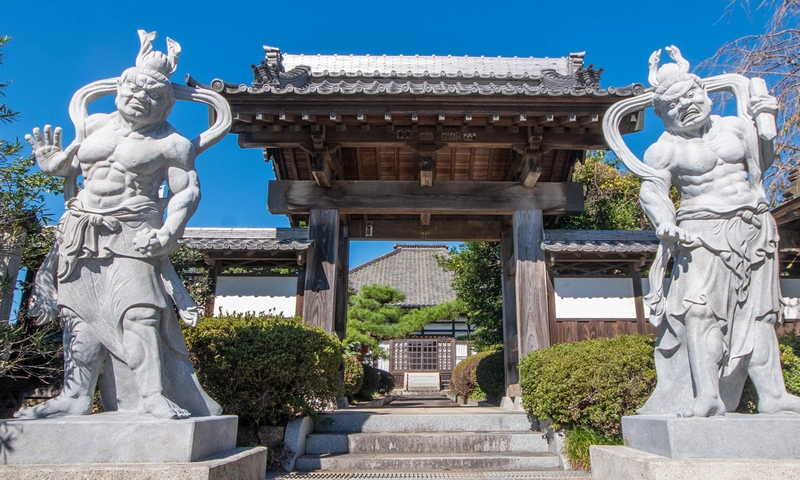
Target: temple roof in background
{"x": 411, "y": 268}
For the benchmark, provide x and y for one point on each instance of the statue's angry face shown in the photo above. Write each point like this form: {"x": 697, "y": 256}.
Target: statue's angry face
{"x": 684, "y": 106}
{"x": 143, "y": 98}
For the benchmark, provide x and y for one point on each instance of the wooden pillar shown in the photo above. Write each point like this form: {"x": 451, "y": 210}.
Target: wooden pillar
{"x": 301, "y": 291}
{"x": 214, "y": 269}
{"x": 319, "y": 304}
{"x": 530, "y": 279}
{"x": 551, "y": 308}
{"x": 342, "y": 283}
{"x": 510, "y": 345}
{"x": 636, "y": 279}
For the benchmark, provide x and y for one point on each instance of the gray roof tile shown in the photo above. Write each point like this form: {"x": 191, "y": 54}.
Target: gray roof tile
{"x": 246, "y": 238}
{"x": 413, "y": 270}
{"x": 605, "y": 241}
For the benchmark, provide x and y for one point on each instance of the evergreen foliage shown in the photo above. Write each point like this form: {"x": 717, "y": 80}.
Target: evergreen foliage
{"x": 611, "y": 196}
{"x": 371, "y": 384}
{"x": 590, "y": 384}
{"x": 372, "y": 317}
{"x": 22, "y": 193}
{"x": 353, "y": 375}
{"x": 266, "y": 369}
{"x": 477, "y": 280}
{"x": 480, "y": 376}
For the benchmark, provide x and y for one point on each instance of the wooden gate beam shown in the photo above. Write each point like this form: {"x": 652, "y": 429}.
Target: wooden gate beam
{"x": 408, "y": 197}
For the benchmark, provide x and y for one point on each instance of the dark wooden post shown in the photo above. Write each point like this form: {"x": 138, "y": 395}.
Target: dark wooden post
{"x": 510, "y": 345}
{"x": 531, "y": 282}
{"x": 636, "y": 279}
{"x": 551, "y": 308}
{"x": 319, "y": 305}
{"x": 342, "y": 283}
{"x": 214, "y": 269}
{"x": 301, "y": 291}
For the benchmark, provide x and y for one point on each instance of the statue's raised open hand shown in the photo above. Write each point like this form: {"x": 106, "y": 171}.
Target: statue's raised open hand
{"x": 48, "y": 150}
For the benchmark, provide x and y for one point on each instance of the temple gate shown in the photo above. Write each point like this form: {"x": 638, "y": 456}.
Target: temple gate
{"x": 426, "y": 148}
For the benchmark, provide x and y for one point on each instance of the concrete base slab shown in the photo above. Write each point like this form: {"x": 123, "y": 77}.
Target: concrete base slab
{"x": 624, "y": 463}
{"x": 115, "y": 437}
{"x": 240, "y": 463}
{"x": 732, "y": 436}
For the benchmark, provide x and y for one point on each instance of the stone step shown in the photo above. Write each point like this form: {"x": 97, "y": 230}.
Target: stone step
{"x": 358, "y": 422}
{"x": 427, "y": 442}
{"x": 420, "y": 462}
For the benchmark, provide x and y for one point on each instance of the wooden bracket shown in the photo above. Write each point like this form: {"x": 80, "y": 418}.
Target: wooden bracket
{"x": 531, "y": 169}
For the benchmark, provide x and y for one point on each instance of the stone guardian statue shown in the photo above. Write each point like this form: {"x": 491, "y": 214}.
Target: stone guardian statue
{"x": 108, "y": 277}
{"x": 717, "y": 323}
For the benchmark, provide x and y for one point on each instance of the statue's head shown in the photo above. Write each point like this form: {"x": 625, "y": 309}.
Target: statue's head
{"x": 144, "y": 92}
{"x": 680, "y": 99}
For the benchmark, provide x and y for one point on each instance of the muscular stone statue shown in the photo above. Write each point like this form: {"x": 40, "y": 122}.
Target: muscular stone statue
{"x": 717, "y": 323}
{"x": 108, "y": 276}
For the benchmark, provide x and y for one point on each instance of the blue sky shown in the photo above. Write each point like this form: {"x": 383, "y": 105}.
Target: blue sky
{"x": 60, "y": 46}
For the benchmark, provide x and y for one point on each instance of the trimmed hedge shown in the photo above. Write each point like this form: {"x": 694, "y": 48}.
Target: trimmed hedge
{"x": 266, "y": 369}
{"x": 386, "y": 385}
{"x": 353, "y": 375}
{"x": 480, "y": 376}
{"x": 372, "y": 381}
{"x": 589, "y": 384}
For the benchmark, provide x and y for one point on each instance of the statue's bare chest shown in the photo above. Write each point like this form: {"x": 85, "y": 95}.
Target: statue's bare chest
{"x": 699, "y": 156}
{"x": 108, "y": 148}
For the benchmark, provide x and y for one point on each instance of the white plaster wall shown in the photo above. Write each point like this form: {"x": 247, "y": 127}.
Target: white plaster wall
{"x": 256, "y": 294}
{"x": 610, "y": 297}
{"x": 383, "y": 363}
{"x": 790, "y": 289}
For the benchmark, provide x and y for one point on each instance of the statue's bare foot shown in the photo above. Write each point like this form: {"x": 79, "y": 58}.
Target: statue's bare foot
{"x": 784, "y": 404}
{"x": 160, "y": 406}
{"x": 57, "y": 407}
{"x": 704, "y": 407}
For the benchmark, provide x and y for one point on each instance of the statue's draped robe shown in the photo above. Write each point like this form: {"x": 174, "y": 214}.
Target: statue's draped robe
{"x": 733, "y": 269}
{"x": 100, "y": 276}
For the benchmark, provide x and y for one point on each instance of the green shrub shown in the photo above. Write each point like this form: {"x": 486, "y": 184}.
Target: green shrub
{"x": 386, "y": 385}
{"x": 480, "y": 376}
{"x": 266, "y": 369}
{"x": 589, "y": 384}
{"x": 353, "y": 375}
{"x": 577, "y": 442}
{"x": 372, "y": 380}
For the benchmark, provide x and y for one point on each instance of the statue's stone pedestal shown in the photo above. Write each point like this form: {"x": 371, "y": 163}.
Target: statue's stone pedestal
{"x": 625, "y": 463}
{"x": 730, "y": 447}
{"x": 124, "y": 445}
{"x": 731, "y": 436}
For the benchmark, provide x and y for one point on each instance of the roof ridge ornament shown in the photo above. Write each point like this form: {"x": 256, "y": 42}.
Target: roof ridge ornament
{"x": 271, "y": 71}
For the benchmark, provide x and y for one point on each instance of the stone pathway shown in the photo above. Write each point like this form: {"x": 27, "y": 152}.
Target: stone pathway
{"x": 430, "y": 476}
{"x": 422, "y": 409}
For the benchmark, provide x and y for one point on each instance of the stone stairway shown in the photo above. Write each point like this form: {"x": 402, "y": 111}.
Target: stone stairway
{"x": 429, "y": 439}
